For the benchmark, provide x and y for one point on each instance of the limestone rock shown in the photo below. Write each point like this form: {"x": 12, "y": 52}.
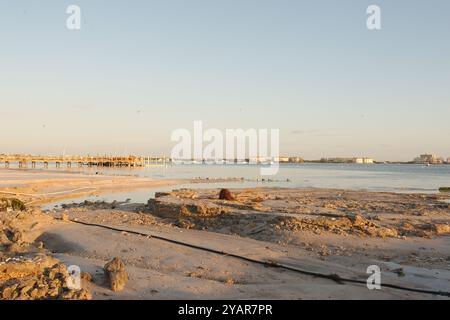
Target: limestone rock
{"x": 116, "y": 274}
{"x": 12, "y": 204}
{"x": 225, "y": 194}
{"x": 40, "y": 279}
{"x": 86, "y": 276}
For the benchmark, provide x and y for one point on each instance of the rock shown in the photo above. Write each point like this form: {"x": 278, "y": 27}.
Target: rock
{"x": 12, "y": 204}
{"x": 86, "y": 276}
{"x": 399, "y": 272}
{"x": 14, "y": 235}
{"x": 81, "y": 294}
{"x": 6, "y": 293}
{"x": 442, "y": 228}
{"x": 229, "y": 281}
{"x": 42, "y": 280}
{"x": 64, "y": 216}
{"x": 225, "y": 194}
{"x": 161, "y": 194}
{"x": 116, "y": 274}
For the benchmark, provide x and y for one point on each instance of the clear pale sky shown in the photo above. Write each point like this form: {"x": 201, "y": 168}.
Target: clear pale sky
{"x": 139, "y": 69}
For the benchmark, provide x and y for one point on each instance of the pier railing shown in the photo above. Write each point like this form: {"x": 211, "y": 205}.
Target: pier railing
{"x": 25, "y": 161}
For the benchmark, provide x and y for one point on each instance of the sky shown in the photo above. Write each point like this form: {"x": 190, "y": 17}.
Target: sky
{"x": 137, "y": 70}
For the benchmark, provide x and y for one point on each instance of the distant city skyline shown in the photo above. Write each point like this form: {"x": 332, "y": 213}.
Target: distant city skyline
{"x": 282, "y": 158}
{"x": 136, "y": 72}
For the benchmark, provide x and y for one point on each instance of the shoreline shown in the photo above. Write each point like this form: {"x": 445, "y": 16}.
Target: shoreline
{"x": 331, "y": 231}
{"x": 40, "y": 187}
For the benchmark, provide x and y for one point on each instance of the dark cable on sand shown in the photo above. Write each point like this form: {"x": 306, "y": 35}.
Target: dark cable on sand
{"x": 273, "y": 264}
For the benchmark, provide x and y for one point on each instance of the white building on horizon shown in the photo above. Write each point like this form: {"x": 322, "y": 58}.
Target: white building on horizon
{"x": 428, "y": 159}
{"x": 363, "y": 160}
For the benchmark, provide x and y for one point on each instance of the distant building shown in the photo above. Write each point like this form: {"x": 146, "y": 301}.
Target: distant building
{"x": 428, "y": 159}
{"x": 281, "y": 159}
{"x": 348, "y": 160}
{"x": 363, "y": 160}
{"x": 296, "y": 160}
{"x": 336, "y": 160}
{"x": 259, "y": 160}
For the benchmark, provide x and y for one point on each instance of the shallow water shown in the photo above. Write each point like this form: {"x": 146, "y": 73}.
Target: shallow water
{"x": 386, "y": 177}
{"x": 379, "y": 177}
{"x": 351, "y": 176}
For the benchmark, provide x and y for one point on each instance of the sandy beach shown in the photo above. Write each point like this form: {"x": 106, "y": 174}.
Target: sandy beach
{"x": 39, "y": 187}
{"x": 188, "y": 244}
{"x": 247, "y": 153}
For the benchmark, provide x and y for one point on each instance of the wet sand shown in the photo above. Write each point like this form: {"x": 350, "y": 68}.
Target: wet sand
{"x": 334, "y": 232}
{"x": 39, "y": 187}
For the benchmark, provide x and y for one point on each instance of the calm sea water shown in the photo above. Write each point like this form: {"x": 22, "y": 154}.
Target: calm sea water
{"x": 379, "y": 177}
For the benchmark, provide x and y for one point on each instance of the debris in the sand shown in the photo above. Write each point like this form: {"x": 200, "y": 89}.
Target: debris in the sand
{"x": 86, "y": 276}
{"x": 441, "y": 228}
{"x": 161, "y": 194}
{"x": 399, "y": 272}
{"x": 269, "y": 216}
{"x": 40, "y": 277}
{"x": 13, "y": 235}
{"x": 26, "y": 271}
{"x": 12, "y": 204}
{"x": 229, "y": 281}
{"x": 225, "y": 194}
{"x": 335, "y": 277}
{"x": 116, "y": 274}
{"x": 202, "y": 210}
{"x": 352, "y": 224}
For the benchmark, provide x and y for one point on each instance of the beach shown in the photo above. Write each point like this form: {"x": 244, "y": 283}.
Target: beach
{"x": 41, "y": 186}
{"x": 266, "y": 243}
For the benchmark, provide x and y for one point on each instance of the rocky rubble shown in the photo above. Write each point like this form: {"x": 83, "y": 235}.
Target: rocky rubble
{"x": 11, "y": 204}
{"x": 26, "y": 269}
{"x": 356, "y": 225}
{"x": 264, "y": 213}
{"x": 37, "y": 277}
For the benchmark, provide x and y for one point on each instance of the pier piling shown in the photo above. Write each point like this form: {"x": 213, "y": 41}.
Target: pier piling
{"x": 99, "y": 161}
